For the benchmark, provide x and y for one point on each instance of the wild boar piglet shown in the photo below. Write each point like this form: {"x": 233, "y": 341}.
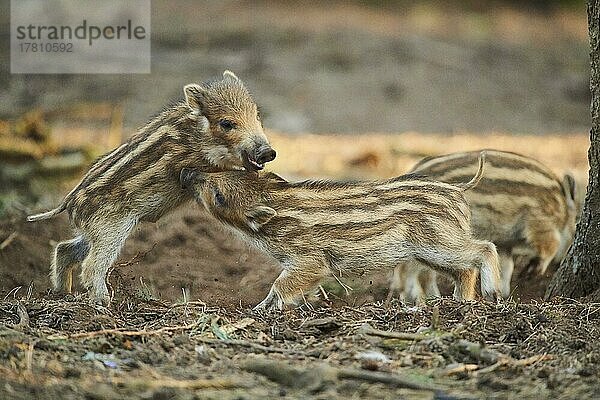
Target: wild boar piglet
{"x": 520, "y": 205}
{"x": 216, "y": 127}
{"x": 318, "y": 228}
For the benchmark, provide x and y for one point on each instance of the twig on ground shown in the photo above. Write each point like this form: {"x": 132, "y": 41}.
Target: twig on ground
{"x": 29, "y": 357}
{"x": 503, "y": 361}
{"x": 347, "y": 288}
{"x": 12, "y": 292}
{"x": 367, "y": 329}
{"x": 8, "y": 241}
{"x": 138, "y": 257}
{"x": 461, "y": 368}
{"x": 122, "y": 332}
{"x": 509, "y": 361}
{"x": 385, "y": 378}
{"x": 531, "y": 360}
{"x": 324, "y": 293}
{"x": 314, "y": 376}
{"x": 180, "y": 384}
{"x": 252, "y": 345}
{"x": 23, "y": 317}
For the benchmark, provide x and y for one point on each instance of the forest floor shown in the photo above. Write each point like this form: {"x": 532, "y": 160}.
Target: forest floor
{"x": 140, "y": 349}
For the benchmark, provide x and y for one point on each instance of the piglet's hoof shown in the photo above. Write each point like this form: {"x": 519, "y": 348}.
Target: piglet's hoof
{"x": 60, "y": 294}
{"x": 272, "y": 302}
{"x": 99, "y": 299}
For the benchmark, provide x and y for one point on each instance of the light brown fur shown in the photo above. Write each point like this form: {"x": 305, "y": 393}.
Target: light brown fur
{"x": 519, "y": 205}
{"x": 318, "y": 229}
{"x": 216, "y": 127}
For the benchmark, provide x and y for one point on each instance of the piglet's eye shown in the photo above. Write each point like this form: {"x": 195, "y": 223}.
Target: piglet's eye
{"x": 226, "y": 125}
{"x": 219, "y": 198}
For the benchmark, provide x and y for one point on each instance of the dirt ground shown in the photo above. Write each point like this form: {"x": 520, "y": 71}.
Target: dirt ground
{"x": 142, "y": 349}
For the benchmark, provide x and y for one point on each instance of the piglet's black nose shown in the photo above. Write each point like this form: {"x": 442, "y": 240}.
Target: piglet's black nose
{"x": 265, "y": 155}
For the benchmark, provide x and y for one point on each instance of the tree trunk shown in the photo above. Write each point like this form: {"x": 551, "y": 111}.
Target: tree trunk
{"x": 579, "y": 272}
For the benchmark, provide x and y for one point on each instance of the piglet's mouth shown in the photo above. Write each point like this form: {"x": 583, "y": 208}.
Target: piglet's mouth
{"x": 249, "y": 163}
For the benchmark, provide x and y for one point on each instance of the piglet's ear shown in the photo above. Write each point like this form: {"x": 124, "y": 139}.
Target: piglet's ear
{"x": 228, "y": 74}
{"x": 259, "y": 215}
{"x": 186, "y": 177}
{"x": 194, "y": 96}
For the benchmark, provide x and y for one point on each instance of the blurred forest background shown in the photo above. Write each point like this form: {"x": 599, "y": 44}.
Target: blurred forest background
{"x": 348, "y": 67}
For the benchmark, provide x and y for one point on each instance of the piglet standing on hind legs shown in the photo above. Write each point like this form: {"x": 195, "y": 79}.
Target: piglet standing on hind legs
{"x": 217, "y": 127}
{"x": 317, "y": 229}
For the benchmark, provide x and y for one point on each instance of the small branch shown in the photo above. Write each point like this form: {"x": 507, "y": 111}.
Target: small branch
{"x": 531, "y": 360}
{"x": 315, "y": 375}
{"x": 192, "y": 384}
{"x": 29, "y": 357}
{"x": 252, "y": 345}
{"x": 122, "y": 332}
{"x": 347, "y": 288}
{"x": 385, "y": 378}
{"x": 138, "y": 257}
{"x": 504, "y": 361}
{"x": 8, "y": 241}
{"x": 23, "y": 317}
{"x": 366, "y": 329}
{"x": 511, "y": 362}
{"x": 324, "y": 293}
{"x": 462, "y": 368}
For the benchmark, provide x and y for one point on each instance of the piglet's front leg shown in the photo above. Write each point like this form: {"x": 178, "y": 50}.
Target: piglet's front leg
{"x": 290, "y": 285}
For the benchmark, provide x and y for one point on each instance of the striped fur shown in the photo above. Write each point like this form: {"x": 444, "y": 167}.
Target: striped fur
{"x": 519, "y": 205}
{"x": 139, "y": 181}
{"x": 316, "y": 229}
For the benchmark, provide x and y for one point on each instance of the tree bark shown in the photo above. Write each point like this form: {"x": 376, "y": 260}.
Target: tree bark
{"x": 579, "y": 272}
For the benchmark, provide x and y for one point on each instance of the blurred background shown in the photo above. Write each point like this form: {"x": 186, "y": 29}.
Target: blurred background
{"x": 353, "y": 66}
{"x": 359, "y": 89}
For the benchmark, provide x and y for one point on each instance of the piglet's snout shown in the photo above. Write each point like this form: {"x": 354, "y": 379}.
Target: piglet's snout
{"x": 265, "y": 154}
